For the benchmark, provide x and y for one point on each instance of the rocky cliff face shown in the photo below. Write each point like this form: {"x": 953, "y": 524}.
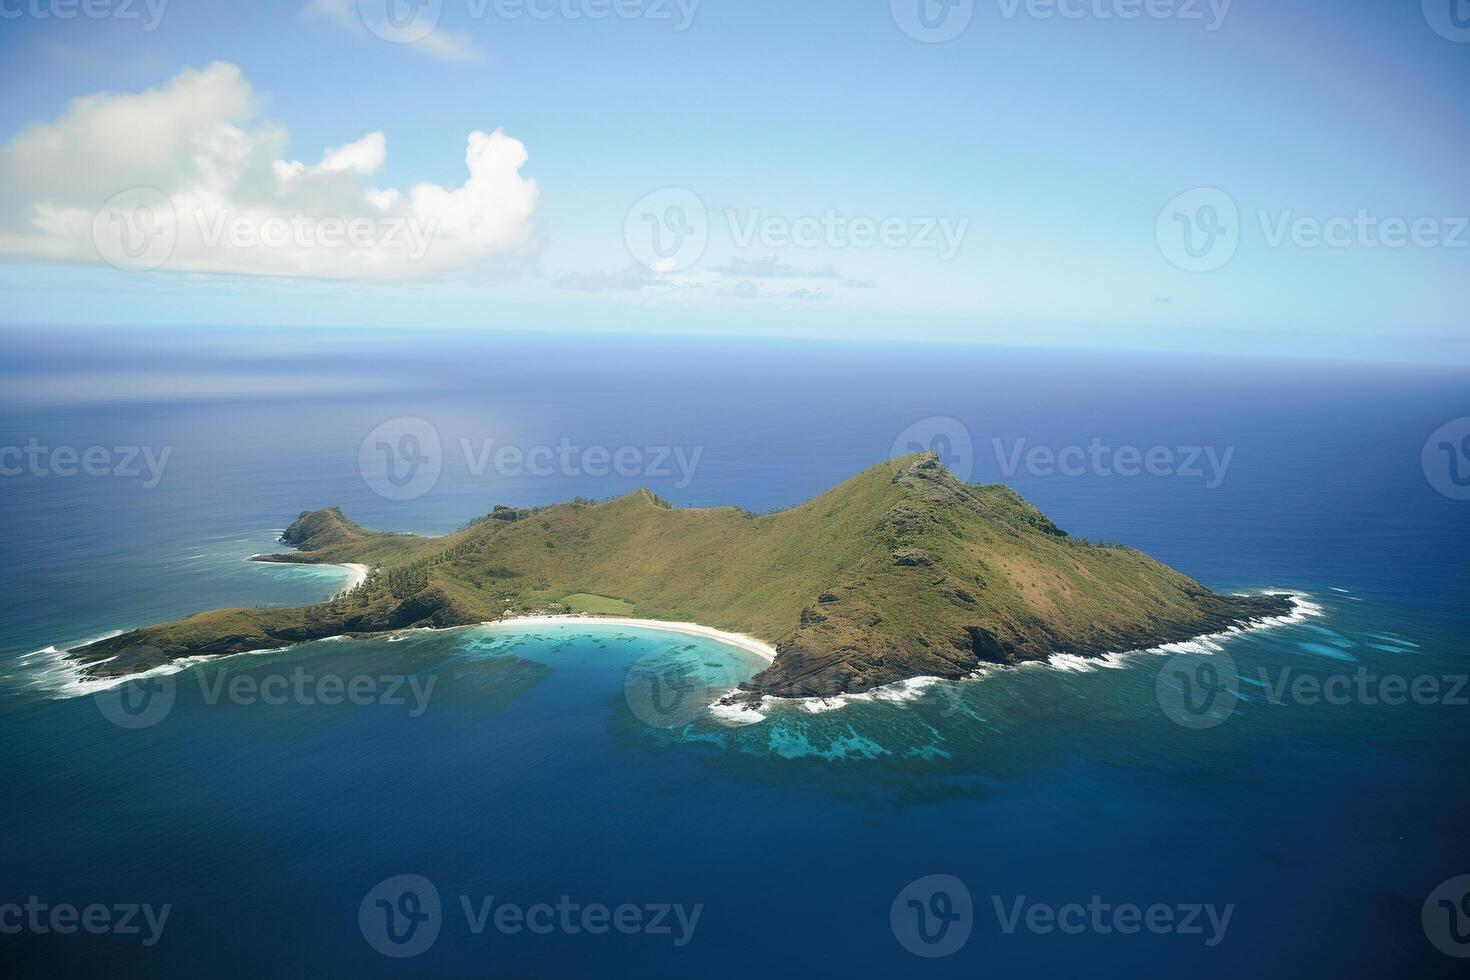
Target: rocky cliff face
{"x": 999, "y": 583}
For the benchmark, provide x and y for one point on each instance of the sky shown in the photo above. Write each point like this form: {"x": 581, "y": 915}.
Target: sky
{"x": 1240, "y": 176}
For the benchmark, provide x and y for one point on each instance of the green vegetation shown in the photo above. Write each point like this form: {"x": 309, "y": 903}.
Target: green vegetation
{"x": 901, "y": 571}
{"x": 598, "y": 605}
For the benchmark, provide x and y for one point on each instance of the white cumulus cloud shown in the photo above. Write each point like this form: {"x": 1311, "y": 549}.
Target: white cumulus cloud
{"x": 186, "y": 177}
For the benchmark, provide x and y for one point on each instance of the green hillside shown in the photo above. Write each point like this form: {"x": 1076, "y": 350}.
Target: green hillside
{"x": 901, "y": 571}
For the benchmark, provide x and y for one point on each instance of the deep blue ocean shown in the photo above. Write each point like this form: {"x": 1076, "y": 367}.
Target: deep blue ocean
{"x": 526, "y": 775}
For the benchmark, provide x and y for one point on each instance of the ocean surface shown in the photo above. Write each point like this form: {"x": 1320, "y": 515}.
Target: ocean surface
{"x": 274, "y": 816}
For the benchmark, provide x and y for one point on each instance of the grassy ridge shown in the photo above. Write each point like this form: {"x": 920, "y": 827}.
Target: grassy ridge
{"x": 900, "y": 571}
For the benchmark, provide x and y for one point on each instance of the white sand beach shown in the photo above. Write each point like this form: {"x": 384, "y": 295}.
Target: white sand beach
{"x": 747, "y": 643}
{"x": 357, "y": 574}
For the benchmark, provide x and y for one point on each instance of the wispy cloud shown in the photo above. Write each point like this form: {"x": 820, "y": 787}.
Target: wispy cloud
{"x": 767, "y": 279}
{"x": 633, "y": 277}
{"x": 662, "y": 288}
{"x": 772, "y": 267}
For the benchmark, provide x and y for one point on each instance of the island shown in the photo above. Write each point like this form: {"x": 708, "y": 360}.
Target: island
{"x": 901, "y": 571}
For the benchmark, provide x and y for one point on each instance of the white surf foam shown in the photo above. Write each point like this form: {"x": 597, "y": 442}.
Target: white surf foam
{"x": 912, "y": 689}
{"x": 739, "y": 714}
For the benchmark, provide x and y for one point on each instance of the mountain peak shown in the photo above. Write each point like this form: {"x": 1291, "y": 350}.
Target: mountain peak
{"x": 314, "y": 530}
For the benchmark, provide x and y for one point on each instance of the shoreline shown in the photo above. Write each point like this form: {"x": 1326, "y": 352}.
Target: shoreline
{"x": 737, "y": 713}
{"x": 749, "y": 644}
{"x": 746, "y": 712}
{"x": 357, "y": 573}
